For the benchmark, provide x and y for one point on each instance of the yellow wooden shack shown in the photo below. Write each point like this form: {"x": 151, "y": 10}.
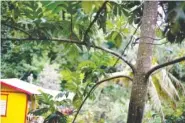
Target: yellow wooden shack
{"x": 17, "y": 97}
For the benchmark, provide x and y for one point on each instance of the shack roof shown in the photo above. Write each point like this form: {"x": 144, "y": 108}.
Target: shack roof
{"x": 26, "y": 87}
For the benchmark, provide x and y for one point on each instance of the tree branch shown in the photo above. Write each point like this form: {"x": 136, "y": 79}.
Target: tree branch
{"x": 150, "y": 38}
{"x": 17, "y": 28}
{"x": 117, "y": 55}
{"x": 97, "y": 83}
{"x": 75, "y": 42}
{"x": 164, "y": 65}
{"x": 152, "y": 43}
{"x": 94, "y": 20}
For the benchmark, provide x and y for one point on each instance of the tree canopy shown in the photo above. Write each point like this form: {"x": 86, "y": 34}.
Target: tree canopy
{"x": 90, "y": 41}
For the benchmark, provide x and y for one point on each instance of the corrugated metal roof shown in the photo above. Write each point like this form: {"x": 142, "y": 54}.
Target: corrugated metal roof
{"x": 26, "y": 87}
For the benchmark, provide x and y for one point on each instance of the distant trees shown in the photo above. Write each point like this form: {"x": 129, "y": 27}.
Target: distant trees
{"x": 49, "y": 78}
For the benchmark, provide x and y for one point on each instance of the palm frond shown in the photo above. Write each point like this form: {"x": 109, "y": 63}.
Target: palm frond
{"x": 154, "y": 97}
{"x": 177, "y": 83}
{"x": 164, "y": 86}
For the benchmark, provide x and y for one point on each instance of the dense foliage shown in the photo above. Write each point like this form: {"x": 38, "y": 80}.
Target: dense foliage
{"x": 80, "y": 38}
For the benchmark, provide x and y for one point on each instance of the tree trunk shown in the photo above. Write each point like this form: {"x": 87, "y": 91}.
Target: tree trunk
{"x": 143, "y": 64}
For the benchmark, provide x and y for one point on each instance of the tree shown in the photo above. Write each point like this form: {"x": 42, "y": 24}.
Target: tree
{"x": 143, "y": 64}
{"x": 67, "y": 27}
{"x": 49, "y": 78}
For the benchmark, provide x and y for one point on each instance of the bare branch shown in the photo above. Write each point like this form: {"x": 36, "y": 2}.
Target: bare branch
{"x": 92, "y": 89}
{"x": 94, "y": 20}
{"x": 150, "y": 38}
{"x": 75, "y": 42}
{"x": 164, "y": 65}
{"x": 152, "y": 43}
{"x": 117, "y": 55}
{"x": 44, "y": 39}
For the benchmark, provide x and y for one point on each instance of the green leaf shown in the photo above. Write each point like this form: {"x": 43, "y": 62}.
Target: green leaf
{"x": 87, "y": 6}
{"x": 159, "y": 32}
{"x": 86, "y": 64}
{"x": 125, "y": 11}
{"x": 56, "y": 6}
{"x": 71, "y": 86}
{"x": 77, "y": 100}
{"x": 66, "y": 25}
{"x": 115, "y": 37}
{"x": 118, "y": 40}
{"x": 66, "y": 75}
{"x": 40, "y": 111}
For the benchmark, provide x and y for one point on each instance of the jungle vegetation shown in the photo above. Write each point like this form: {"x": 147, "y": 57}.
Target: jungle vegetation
{"x": 123, "y": 60}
